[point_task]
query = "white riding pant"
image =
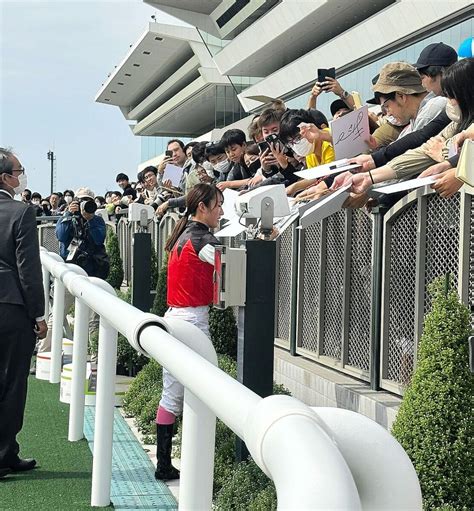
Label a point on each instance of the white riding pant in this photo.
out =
(173, 391)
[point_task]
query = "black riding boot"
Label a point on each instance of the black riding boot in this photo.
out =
(164, 469)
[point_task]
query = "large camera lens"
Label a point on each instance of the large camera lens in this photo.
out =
(89, 206)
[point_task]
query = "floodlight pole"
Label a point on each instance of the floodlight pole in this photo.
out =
(51, 158)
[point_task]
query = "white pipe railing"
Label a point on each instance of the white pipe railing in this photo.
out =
(299, 448)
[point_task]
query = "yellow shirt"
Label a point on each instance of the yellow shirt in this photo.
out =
(327, 154)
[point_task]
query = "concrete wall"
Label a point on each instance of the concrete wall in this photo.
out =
(316, 385)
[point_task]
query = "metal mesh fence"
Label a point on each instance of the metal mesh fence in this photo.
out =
(310, 275)
(47, 237)
(360, 299)
(442, 241)
(283, 282)
(401, 296)
(334, 286)
(471, 260)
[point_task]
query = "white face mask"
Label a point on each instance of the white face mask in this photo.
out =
(453, 112)
(22, 184)
(303, 147)
(393, 121)
(222, 167)
(68, 199)
(36, 202)
(208, 168)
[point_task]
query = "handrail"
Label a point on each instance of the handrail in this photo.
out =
(288, 440)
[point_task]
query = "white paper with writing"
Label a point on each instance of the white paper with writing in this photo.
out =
(350, 132)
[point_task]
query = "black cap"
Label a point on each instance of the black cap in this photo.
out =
(437, 54)
(374, 100)
(337, 105)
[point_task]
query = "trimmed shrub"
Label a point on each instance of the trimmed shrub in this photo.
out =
(129, 361)
(434, 424)
(248, 489)
(143, 396)
(160, 304)
(154, 270)
(223, 331)
(115, 277)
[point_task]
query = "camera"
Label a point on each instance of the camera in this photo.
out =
(86, 206)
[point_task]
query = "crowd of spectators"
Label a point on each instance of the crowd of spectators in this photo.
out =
(419, 117)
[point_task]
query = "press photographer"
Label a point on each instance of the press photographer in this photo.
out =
(81, 234)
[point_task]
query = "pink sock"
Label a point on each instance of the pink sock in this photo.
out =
(164, 417)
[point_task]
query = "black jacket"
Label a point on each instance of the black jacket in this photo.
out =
(21, 280)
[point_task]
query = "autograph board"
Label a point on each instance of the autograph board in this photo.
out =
(350, 132)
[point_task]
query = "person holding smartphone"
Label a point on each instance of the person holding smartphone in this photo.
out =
(329, 83)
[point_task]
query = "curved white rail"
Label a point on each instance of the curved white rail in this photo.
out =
(306, 452)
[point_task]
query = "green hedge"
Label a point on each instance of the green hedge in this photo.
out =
(142, 398)
(435, 423)
(159, 304)
(115, 277)
(129, 361)
(223, 331)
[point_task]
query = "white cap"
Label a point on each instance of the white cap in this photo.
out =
(84, 192)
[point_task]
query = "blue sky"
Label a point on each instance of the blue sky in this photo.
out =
(54, 56)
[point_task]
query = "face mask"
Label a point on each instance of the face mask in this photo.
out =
(222, 167)
(302, 147)
(68, 199)
(36, 202)
(208, 168)
(22, 184)
(394, 122)
(453, 112)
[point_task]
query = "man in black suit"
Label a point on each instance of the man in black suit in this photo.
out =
(21, 308)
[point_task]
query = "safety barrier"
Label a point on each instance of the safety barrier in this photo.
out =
(329, 290)
(320, 458)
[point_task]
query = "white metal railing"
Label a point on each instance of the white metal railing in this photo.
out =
(320, 458)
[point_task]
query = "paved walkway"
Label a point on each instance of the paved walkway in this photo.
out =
(133, 482)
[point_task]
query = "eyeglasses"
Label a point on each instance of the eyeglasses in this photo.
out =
(295, 140)
(21, 170)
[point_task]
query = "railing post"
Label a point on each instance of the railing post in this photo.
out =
(57, 331)
(376, 314)
(104, 409)
(79, 369)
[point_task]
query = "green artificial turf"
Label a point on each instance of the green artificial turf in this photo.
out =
(62, 480)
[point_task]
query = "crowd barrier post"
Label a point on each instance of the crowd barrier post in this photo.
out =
(376, 313)
(256, 324)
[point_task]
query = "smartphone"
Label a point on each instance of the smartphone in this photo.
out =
(273, 139)
(169, 154)
(322, 73)
(263, 146)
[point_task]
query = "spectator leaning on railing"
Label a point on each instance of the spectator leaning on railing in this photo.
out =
(457, 86)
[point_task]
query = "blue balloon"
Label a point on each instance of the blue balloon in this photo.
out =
(466, 48)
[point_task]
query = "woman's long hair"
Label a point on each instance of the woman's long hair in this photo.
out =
(203, 192)
(458, 83)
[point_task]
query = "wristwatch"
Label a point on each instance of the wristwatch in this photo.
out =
(344, 94)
